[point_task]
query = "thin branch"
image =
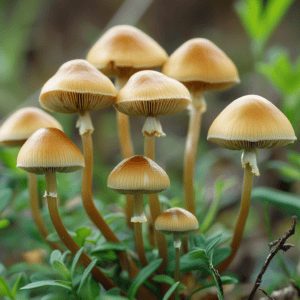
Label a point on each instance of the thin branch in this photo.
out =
(269, 297)
(280, 245)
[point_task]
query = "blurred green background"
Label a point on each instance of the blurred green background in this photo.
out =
(36, 37)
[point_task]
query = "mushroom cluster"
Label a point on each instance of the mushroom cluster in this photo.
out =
(80, 86)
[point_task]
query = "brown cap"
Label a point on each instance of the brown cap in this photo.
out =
(77, 86)
(23, 123)
(176, 220)
(201, 63)
(149, 93)
(125, 46)
(138, 174)
(251, 122)
(49, 149)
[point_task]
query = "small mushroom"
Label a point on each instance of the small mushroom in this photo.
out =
(249, 123)
(179, 222)
(48, 151)
(201, 66)
(13, 133)
(149, 94)
(136, 176)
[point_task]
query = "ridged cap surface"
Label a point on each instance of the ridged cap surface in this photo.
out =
(23, 123)
(200, 62)
(176, 220)
(77, 86)
(125, 46)
(49, 149)
(251, 122)
(138, 174)
(149, 93)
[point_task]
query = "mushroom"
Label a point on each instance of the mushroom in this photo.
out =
(201, 66)
(79, 87)
(149, 94)
(122, 51)
(176, 221)
(136, 176)
(249, 123)
(13, 133)
(48, 151)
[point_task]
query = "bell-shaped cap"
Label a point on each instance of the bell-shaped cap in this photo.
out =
(22, 124)
(49, 149)
(138, 174)
(149, 93)
(251, 122)
(125, 46)
(176, 220)
(77, 86)
(199, 63)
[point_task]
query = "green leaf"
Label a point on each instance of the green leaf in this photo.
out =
(53, 237)
(218, 282)
(44, 283)
(109, 246)
(111, 297)
(4, 288)
(288, 171)
(199, 254)
(220, 254)
(5, 196)
(61, 269)
(142, 276)
(113, 217)
(75, 261)
(171, 290)
(168, 280)
(81, 234)
(284, 201)
(16, 285)
(55, 255)
(86, 273)
(4, 223)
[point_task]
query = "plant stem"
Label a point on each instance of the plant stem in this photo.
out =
(125, 143)
(155, 208)
(89, 205)
(51, 194)
(177, 245)
(242, 218)
(34, 203)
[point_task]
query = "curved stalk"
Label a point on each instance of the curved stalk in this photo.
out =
(138, 219)
(126, 144)
(155, 208)
(177, 245)
(242, 218)
(35, 208)
(51, 194)
(90, 207)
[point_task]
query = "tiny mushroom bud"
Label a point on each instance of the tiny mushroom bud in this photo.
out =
(249, 123)
(136, 176)
(176, 221)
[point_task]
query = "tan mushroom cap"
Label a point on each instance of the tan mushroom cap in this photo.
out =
(149, 93)
(77, 86)
(251, 122)
(125, 46)
(22, 124)
(49, 149)
(176, 220)
(199, 62)
(138, 174)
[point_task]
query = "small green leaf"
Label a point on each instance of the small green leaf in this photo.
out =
(111, 297)
(81, 234)
(61, 269)
(199, 254)
(55, 255)
(44, 283)
(16, 285)
(113, 217)
(4, 288)
(168, 280)
(142, 276)
(171, 290)
(86, 273)
(5, 196)
(4, 223)
(108, 246)
(220, 254)
(75, 261)
(53, 237)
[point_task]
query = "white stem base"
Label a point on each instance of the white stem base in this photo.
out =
(152, 127)
(250, 157)
(84, 123)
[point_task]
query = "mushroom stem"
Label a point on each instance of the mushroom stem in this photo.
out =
(155, 208)
(89, 205)
(34, 203)
(242, 218)
(138, 209)
(51, 194)
(196, 110)
(177, 246)
(152, 126)
(125, 143)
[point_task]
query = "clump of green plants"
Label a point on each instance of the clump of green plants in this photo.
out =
(107, 259)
